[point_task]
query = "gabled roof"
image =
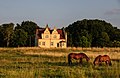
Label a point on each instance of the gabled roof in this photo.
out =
(39, 32)
(62, 34)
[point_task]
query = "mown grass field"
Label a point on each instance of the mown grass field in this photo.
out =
(52, 63)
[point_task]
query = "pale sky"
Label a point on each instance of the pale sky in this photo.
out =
(59, 13)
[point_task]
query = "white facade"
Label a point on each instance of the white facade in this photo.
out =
(53, 39)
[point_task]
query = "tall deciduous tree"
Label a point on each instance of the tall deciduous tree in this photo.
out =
(97, 32)
(84, 42)
(1, 37)
(7, 31)
(19, 38)
(30, 28)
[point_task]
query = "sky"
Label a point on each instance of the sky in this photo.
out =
(59, 13)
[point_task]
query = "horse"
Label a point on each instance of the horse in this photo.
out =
(99, 59)
(77, 56)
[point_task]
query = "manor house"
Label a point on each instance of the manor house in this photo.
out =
(47, 38)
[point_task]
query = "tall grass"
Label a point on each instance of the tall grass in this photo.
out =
(52, 63)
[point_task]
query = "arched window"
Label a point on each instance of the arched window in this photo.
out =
(54, 36)
(47, 36)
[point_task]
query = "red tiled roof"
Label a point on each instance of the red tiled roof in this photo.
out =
(39, 33)
(62, 35)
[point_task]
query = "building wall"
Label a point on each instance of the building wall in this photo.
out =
(51, 40)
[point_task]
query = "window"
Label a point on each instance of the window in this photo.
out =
(39, 43)
(51, 43)
(54, 36)
(43, 43)
(46, 36)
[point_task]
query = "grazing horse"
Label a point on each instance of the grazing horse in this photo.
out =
(77, 56)
(99, 59)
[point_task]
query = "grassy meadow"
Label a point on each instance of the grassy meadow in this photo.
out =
(37, 62)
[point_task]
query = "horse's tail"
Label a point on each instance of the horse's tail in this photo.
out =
(69, 59)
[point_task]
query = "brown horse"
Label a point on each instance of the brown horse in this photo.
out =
(77, 56)
(99, 59)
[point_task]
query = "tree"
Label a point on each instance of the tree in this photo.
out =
(116, 43)
(30, 28)
(19, 38)
(97, 32)
(7, 31)
(84, 42)
(1, 37)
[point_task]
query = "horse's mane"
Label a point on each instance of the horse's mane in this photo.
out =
(85, 56)
(106, 55)
(97, 58)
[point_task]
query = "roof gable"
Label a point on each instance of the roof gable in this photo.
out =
(41, 30)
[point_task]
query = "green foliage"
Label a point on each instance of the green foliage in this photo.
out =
(30, 28)
(84, 42)
(20, 35)
(6, 32)
(97, 32)
(103, 40)
(1, 37)
(116, 43)
(84, 33)
(19, 38)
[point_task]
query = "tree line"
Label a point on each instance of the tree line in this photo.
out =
(19, 35)
(93, 33)
(82, 33)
